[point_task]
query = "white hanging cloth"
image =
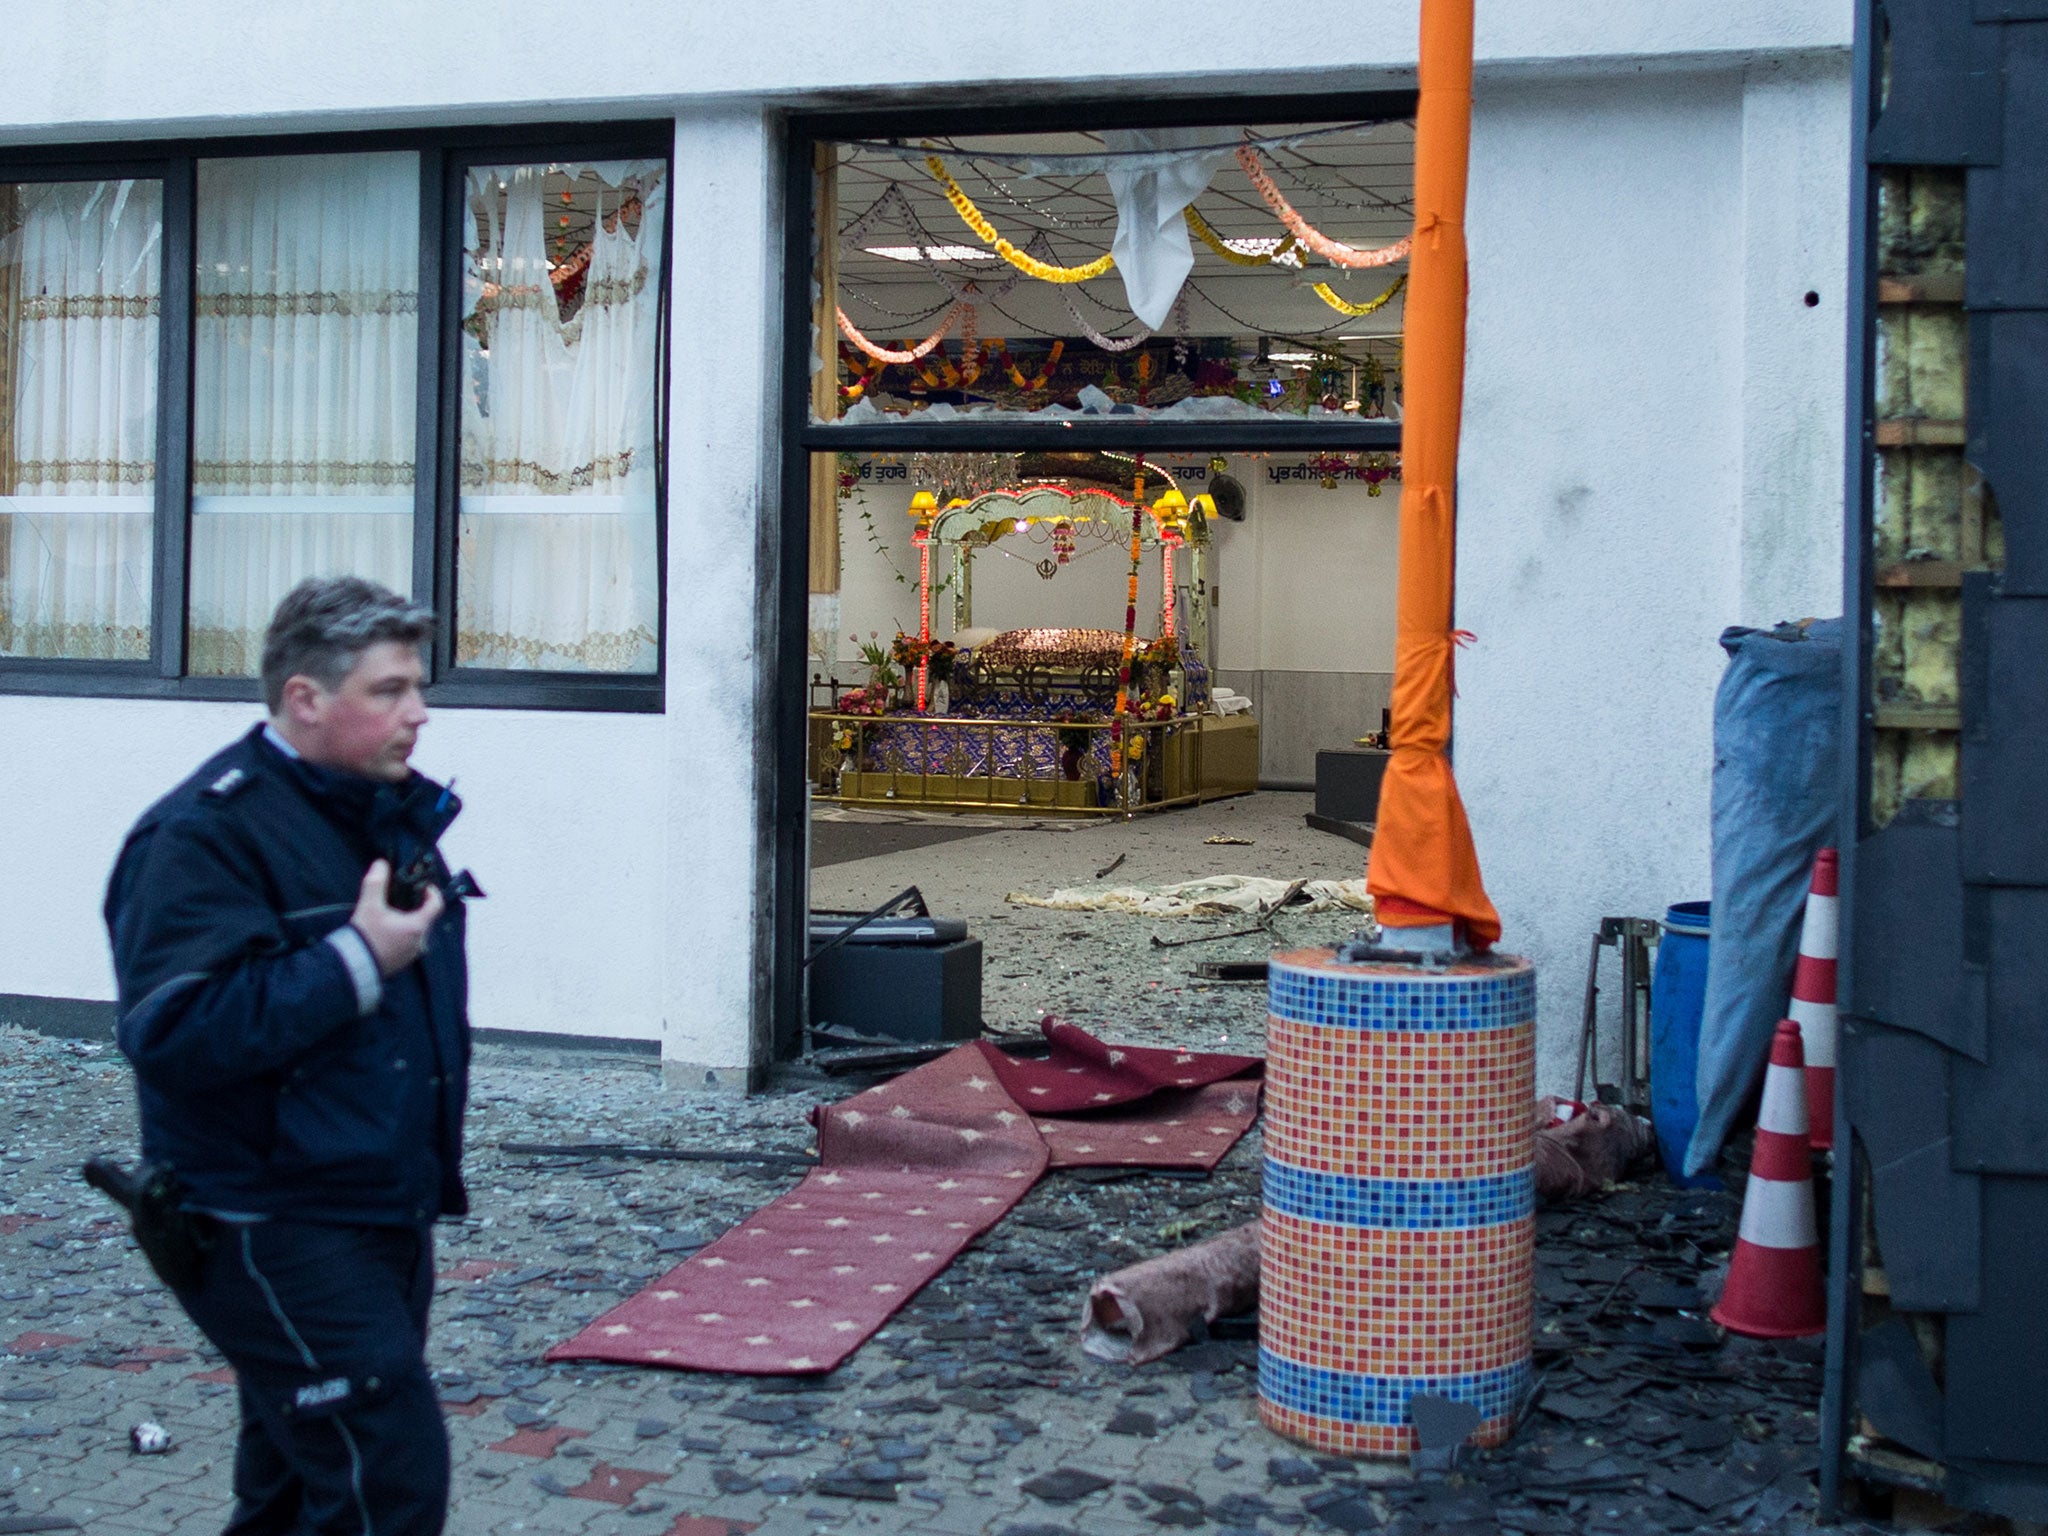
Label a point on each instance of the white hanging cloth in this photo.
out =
(1152, 250)
(556, 548)
(80, 272)
(307, 358)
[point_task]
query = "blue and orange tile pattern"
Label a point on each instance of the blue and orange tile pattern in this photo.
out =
(1399, 1234)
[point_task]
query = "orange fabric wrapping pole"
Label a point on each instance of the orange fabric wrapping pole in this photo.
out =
(1423, 869)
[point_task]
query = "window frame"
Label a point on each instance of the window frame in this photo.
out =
(782, 700)
(445, 156)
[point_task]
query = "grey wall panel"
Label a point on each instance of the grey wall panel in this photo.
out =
(1899, 1395)
(1997, 1359)
(1998, 1108)
(1929, 1225)
(1894, 1085)
(2008, 402)
(2011, 1489)
(1908, 958)
(2007, 237)
(1944, 101)
(2004, 788)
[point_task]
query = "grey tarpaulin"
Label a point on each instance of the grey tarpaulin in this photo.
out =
(1776, 743)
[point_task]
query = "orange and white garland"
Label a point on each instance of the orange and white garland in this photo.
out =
(956, 314)
(1336, 252)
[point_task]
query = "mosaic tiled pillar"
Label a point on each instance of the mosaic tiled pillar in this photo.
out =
(1399, 1228)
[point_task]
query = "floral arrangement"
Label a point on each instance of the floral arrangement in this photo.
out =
(848, 473)
(1160, 706)
(908, 651)
(1375, 467)
(882, 674)
(871, 700)
(1163, 652)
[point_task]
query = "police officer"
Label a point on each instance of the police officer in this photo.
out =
(289, 950)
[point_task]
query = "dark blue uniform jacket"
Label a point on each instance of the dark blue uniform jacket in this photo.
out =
(259, 1081)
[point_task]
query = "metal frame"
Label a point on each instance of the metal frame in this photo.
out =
(444, 154)
(782, 698)
(1632, 938)
(1846, 1186)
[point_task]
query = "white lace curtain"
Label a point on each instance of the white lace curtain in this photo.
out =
(305, 368)
(556, 563)
(79, 270)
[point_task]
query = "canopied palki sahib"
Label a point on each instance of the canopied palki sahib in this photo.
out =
(1014, 623)
(1049, 718)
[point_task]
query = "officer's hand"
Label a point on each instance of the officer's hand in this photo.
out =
(396, 938)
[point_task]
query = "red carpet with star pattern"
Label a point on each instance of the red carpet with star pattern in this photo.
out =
(908, 1174)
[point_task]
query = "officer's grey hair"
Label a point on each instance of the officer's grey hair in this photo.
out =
(324, 625)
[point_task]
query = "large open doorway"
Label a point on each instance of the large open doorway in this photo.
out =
(1080, 540)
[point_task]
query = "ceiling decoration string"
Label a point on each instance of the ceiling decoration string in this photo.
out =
(1029, 265)
(1199, 226)
(1344, 306)
(1336, 252)
(955, 314)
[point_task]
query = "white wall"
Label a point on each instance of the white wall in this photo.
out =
(713, 941)
(559, 825)
(621, 852)
(1795, 140)
(1325, 565)
(94, 65)
(1651, 452)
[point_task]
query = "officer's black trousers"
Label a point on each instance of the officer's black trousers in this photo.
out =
(326, 1328)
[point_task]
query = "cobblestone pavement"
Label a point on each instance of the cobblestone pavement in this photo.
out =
(973, 1411)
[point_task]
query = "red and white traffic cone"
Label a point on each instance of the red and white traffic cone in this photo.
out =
(1774, 1279)
(1813, 996)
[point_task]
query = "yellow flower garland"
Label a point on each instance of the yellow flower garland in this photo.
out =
(978, 221)
(1344, 306)
(1209, 237)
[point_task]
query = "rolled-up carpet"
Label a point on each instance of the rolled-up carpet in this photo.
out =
(1149, 1309)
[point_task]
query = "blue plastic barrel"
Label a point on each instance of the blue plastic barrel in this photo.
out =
(1678, 995)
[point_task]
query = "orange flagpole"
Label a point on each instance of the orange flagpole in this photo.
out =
(1423, 870)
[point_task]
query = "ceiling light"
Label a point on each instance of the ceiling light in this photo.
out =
(930, 252)
(1265, 245)
(1292, 357)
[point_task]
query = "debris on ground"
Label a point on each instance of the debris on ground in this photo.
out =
(149, 1439)
(1148, 1310)
(1649, 1418)
(1211, 896)
(1582, 1148)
